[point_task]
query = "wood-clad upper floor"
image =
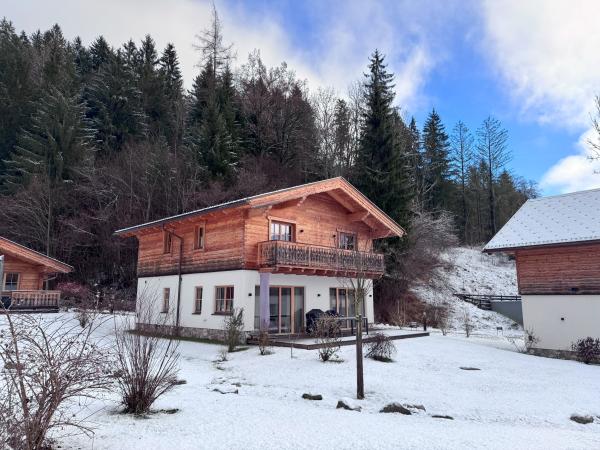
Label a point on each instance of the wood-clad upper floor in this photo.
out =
(326, 221)
(563, 269)
(25, 269)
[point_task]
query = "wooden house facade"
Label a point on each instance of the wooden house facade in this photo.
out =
(276, 255)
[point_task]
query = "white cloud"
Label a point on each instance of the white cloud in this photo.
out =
(347, 34)
(546, 51)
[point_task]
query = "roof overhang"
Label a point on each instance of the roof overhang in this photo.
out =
(49, 264)
(359, 207)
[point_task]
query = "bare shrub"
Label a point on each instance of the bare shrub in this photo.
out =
(147, 365)
(327, 333)
(264, 343)
(467, 322)
(222, 356)
(442, 317)
(587, 349)
(529, 341)
(381, 348)
(233, 326)
(49, 366)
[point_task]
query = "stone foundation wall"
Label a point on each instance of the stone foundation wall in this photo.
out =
(557, 354)
(187, 332)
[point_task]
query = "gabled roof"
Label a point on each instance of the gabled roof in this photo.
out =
(560, 219)
(50, 265)
(338, 188)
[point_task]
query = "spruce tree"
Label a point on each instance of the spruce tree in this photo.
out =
(461, 158)
(436, 174)
(381, 167)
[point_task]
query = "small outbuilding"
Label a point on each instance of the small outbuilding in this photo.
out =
(556, 244)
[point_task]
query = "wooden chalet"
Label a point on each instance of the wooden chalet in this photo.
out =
(289, 245)
(26, 276)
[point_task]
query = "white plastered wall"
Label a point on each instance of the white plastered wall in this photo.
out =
(316, 294)
(560, 320)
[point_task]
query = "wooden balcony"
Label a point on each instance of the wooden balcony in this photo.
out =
(306, 259)
(30, 300)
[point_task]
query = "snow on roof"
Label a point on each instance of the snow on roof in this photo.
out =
(573, 217)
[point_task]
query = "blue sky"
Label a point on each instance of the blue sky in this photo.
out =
(534, 64)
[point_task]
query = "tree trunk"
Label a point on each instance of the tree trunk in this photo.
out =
(360, 382)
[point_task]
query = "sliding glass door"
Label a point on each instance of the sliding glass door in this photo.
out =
(286, 309)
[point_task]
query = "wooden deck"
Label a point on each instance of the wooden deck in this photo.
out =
(305, 342)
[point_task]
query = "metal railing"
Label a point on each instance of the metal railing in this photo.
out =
(30, 299)
(294, 254)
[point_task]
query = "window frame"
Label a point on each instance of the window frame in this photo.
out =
(343, 234)
(166, 300)
(226, 301)
(280, 222)
(167, 242)
(198, 300)
(5, 278)
(197, 244)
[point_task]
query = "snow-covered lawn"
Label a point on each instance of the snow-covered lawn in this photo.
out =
(514, 401)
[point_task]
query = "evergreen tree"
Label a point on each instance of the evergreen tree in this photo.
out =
(416, 162)
(380, 173)
(52, 149)
(342, 140)
(436, 174)
(173, 92)
(100, 53)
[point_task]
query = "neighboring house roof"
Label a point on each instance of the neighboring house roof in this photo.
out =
(338, 188)
(560, 219)
(51, 265)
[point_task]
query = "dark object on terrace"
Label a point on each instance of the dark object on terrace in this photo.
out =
(311, 319)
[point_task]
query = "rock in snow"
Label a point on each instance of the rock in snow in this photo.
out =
(396, 408)
(348, 404)
(312, 397)
(582, 419)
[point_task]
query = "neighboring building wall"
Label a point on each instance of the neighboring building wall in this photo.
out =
(560, 320)
(564, 269)
(30, 275)
(150, 292)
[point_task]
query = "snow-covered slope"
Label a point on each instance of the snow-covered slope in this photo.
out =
(467, 270)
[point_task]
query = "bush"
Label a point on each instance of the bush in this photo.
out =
(147, 365)
(327, 333)
(234, 327)
(381, 348)
(49, 367)
(74, 294)
(587, 350)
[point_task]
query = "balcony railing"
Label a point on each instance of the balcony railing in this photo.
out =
(294, 255)
(29, 300)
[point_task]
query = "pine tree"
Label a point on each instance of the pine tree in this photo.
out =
(436, 164)
(100, 53)
(380, 173)
(52, 149)
(416, 162)
(173, 92)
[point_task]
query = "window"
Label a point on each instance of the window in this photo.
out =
(347, 241)
(223, 299)
(167, 242)
(281, 231)
(199, 237)
(198, 300)
(341, 300)
(166, 295)
(11, 281)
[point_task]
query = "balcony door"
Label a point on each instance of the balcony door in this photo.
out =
(286, 309)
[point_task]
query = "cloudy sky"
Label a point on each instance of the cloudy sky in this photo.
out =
(533, 64)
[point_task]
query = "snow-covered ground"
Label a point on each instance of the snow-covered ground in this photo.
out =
(467, 270)
(514, 401)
